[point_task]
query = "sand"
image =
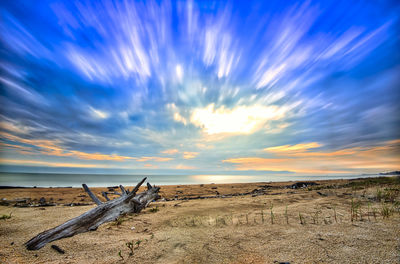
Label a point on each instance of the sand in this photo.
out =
(238, 229)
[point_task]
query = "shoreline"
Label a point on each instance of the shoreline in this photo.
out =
(328, 178)
(74, 196)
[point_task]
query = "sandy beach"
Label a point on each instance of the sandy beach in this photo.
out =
(216, 223)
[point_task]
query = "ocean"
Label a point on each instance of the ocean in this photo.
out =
(104, 180)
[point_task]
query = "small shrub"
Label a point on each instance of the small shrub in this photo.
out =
(4, 217)
(379, 195)
(129, 245)
(119, 221)
(390, 194)
(386, 211)
(138, 243)
(154, 209)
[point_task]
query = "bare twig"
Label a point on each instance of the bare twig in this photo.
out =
(105, 195)
(94, 197)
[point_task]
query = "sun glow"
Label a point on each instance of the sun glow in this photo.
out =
(239, 120)
(222, 178)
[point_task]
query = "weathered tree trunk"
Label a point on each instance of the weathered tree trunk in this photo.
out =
(92, 219)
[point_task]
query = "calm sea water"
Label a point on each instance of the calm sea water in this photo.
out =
(101, 180)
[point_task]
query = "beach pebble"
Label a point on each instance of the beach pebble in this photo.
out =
(132, 228)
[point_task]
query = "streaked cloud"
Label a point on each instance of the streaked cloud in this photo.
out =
(294, 148)
(179, 72)
(98, 114)
(310, 87)
(299, 159)
(51, 164)
(53, 148)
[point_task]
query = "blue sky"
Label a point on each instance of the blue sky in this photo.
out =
(226, 87)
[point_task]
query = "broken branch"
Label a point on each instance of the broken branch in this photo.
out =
(92, 195)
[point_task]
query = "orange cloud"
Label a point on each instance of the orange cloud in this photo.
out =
(255, 163)
(170, 151)
(20, 149)
(159, 159)
(14, 127)
(302, 160)
(96, 156)
(50, 164)
(52, 148)
(291, 148)
(189, 155)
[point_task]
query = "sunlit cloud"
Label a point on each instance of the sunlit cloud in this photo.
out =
(98, 114)
(170, 151)
(299, 159)
(179, 118)
(20, 149)
(179, 72)
(14, 127)
(190, 155)
(53, 148)
(175, 113)
(294, 148)
(158, 159)
(222, 178)
(241, 119)
(51, 164)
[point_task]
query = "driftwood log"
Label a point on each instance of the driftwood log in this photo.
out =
(109, 211)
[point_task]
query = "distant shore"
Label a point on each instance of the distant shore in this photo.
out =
(39, 180)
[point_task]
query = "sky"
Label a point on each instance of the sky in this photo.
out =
(200, 87)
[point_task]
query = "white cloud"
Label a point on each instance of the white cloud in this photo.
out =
(98, 114)
(175, 112)
(240, 119)
(271, 75)
(179, 72)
